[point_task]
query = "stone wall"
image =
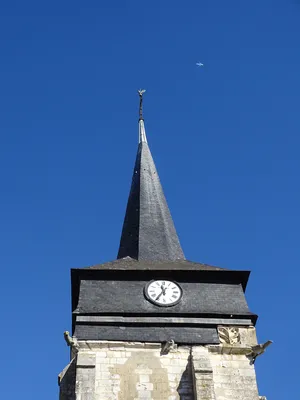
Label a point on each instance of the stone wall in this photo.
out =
(135, 370)
(233, 377)
(124, 371)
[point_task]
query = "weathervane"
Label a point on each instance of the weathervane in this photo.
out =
(141, 92)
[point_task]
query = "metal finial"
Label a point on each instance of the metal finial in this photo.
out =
(141, 92)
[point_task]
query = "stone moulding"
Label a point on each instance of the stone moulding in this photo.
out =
(229, 349)
(94, 345)
(149, 320)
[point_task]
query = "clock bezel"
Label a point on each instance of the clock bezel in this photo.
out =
(159, 304)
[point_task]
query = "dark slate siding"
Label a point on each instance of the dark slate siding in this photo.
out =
(147, 334)
(148, 231)
(129, 243)
(117, 296)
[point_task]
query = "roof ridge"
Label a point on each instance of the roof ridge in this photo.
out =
(153, 264)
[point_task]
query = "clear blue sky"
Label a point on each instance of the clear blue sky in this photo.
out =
(225, 139)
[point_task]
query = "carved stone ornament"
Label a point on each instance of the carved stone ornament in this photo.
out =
(229, 335)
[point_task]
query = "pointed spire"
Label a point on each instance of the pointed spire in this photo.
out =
(142, 132)
(141, 92)
(148, 230)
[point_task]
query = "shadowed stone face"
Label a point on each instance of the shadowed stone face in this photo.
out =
(66, 380)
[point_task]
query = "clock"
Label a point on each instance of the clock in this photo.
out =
(163, 293)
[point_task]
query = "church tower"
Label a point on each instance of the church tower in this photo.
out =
(153, 325)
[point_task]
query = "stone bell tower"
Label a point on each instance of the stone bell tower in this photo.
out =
(153, 325)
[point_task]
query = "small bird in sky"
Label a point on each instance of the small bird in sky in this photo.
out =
(199, 64)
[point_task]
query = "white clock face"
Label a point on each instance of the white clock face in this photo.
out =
(163, 293)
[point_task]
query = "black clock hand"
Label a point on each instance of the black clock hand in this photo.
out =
(163, 289)
(157, 298)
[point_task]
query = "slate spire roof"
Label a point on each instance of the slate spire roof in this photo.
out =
(148, 230)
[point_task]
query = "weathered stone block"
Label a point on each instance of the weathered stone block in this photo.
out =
(86, 359)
